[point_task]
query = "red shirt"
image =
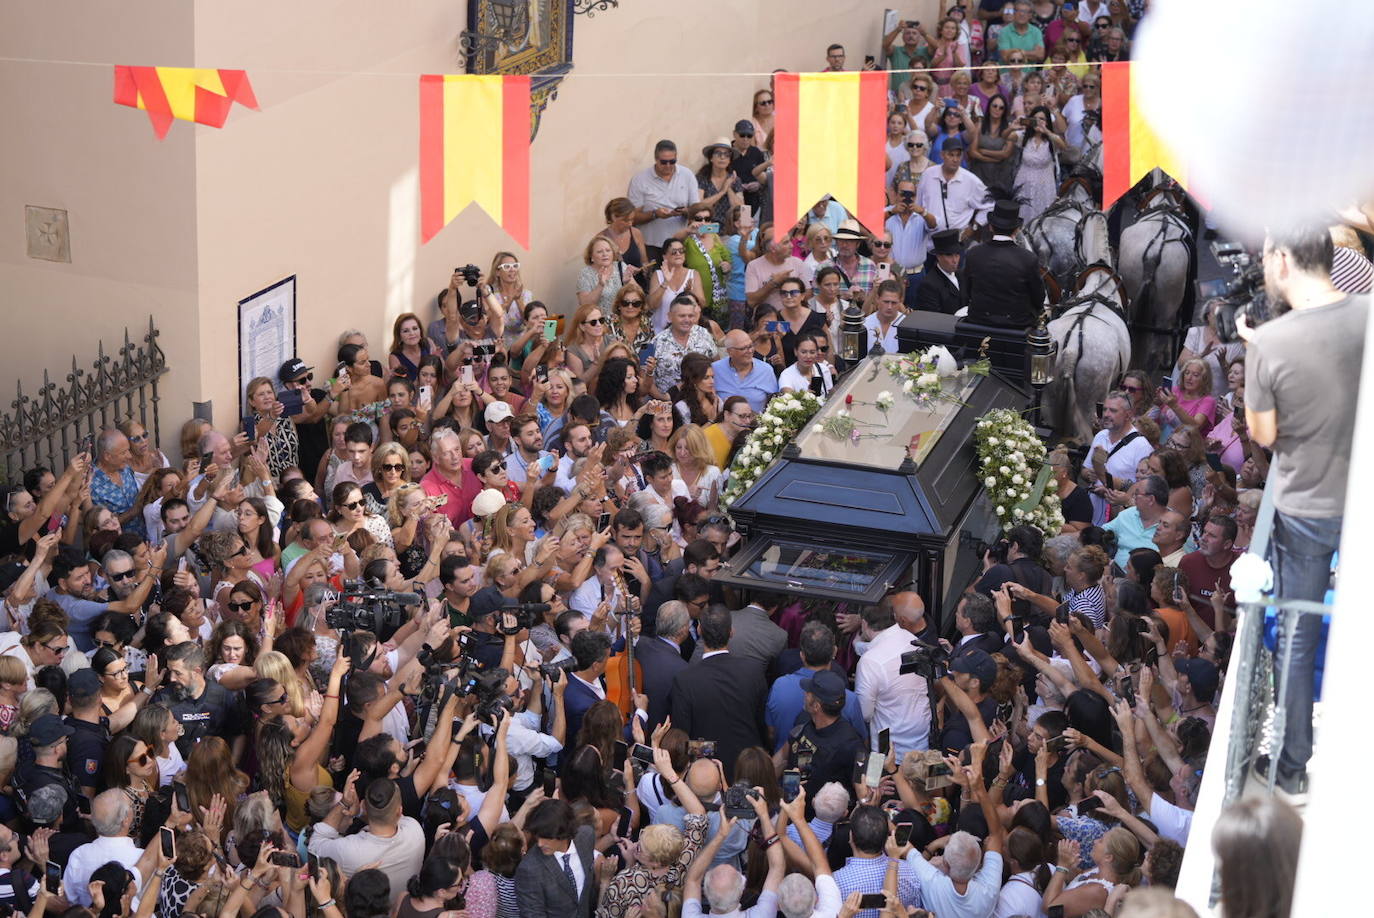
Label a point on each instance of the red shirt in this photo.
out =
(1203, 581)
(459, 506)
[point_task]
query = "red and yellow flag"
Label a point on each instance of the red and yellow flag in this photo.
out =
(475, 146)
(1130, 146)
(188, 93)
(828, 138)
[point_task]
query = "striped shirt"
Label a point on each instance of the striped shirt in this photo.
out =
(12, 897)
(1351, 272)
(1091, 602)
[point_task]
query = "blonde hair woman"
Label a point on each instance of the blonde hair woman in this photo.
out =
(404, 509)
(585, 339)
(301, 699)
(694, 464)
(390, 470)
(1189, 402)
(509, 289)
(512, 531)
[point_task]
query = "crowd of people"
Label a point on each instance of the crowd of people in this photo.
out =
(444, 636)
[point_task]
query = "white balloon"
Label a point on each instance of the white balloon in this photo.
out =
(1267, 101)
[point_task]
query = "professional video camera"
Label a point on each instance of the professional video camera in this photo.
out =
(527, 615)
(930, 661)
(1241, 294)
(363, 606)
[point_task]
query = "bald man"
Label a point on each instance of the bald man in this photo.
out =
(739, 372)
(706, 780)
(890, 699)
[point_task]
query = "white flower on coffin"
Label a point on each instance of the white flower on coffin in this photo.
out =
(945, 364)
(928, 380)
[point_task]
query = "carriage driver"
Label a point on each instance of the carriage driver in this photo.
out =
(1002, 283)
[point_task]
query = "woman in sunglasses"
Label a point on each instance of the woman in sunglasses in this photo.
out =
(159, 729)
(585, 340)
(991, 153)
(131, 766)
(510, 291)
(144, 455)
(232, 559)
(349, 514)
(628, 320)
(390, 470)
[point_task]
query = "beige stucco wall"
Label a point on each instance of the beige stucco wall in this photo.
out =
(322, 182)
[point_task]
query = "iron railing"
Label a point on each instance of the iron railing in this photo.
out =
(50, 426)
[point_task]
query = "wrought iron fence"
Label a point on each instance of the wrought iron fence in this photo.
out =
(50, 426)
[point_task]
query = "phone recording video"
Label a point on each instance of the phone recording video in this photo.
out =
(791, 784)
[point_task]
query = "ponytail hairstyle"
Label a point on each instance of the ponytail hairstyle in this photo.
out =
(1125, 852)
(436, 873)
(1025, 848)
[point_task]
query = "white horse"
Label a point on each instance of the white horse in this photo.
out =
(1094, 350)
(1154, 257)
(1071, 234)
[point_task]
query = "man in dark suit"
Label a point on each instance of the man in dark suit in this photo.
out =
(721, 696)
(1001, 284)
(556, 878)
(660, 658)
(591, 650)
(754, 636)
(975, 618)
(700, 557)
(940, 289)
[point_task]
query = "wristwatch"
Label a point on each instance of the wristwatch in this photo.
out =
(1039, 782)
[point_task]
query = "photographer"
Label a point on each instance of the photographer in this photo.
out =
(724, 885)
(481, 321)
(495, 635)
(498, 689)
(1016, 559)
(1301, 382)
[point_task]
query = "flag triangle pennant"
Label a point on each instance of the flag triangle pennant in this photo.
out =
(182, 93)
(475, 147)
(829, 138)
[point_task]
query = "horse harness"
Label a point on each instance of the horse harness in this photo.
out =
(1057, 209)
(1154, 253)
(1093, 299)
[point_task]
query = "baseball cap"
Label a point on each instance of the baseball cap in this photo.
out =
(744, 127)
(48, 729)
(84, 683)
(977, 664)
(827, 685)
(497, 411)
(953, 143)
(1069, 4)
(291, 369)
(1202, 676)
(10, 574)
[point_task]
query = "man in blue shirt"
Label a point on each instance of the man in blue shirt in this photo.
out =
(787, 697)
(741, 373)
(75, 595)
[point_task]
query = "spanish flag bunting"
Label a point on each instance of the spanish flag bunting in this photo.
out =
(186, 93)
(1130, 145)
(828, 138)
(475, 146)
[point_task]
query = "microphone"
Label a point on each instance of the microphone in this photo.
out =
(406, 599)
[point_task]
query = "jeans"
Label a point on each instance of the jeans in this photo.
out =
(1302, 554)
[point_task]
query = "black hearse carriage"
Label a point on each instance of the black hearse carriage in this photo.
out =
(847, 520)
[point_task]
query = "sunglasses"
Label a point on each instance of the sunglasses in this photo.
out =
(634, 303)
(243, 550)
(141, 760)
(302, 380)
(667, 162)
(281, 700)
(789, 293)
(393, 467)
(509, 266)
(880, 245)
(121, 575)
(823, 348)
(110, 644)
(591, 321)
(352, 505)
(915, 146)
(920, 86)
(139, 438)
(1132, 389)
(764, 102)
(58, 650)
(240, 606)
(496, 467)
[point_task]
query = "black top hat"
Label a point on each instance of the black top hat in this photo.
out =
(1006, 215)
(947, 242)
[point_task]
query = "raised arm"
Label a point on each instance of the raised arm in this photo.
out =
(489, 815)
(691, 888)
(960, 699)
(304, 767)
(1130, 761)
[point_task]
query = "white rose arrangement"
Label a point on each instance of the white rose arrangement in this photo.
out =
(1012, 462)
(779, 423)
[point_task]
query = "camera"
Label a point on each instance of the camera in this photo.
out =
(929, 661)
(736, 804)
(995, 550)
(527, 615)
(471, 274)
(551, 671)
(365, 607)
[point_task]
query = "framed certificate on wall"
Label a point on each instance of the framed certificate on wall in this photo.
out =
(267, 334)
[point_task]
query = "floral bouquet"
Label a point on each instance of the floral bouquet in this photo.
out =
(844, 426)
(785, 415)
(1014, 472)
(922, 373)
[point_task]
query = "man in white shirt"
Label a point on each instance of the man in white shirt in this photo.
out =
(112, 816)
(956, 196)
(661, 194)
(882, 322)
(890, 700)
(1115, 452)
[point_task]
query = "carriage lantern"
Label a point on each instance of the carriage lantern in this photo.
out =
(1042, 350)
(852, 325)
